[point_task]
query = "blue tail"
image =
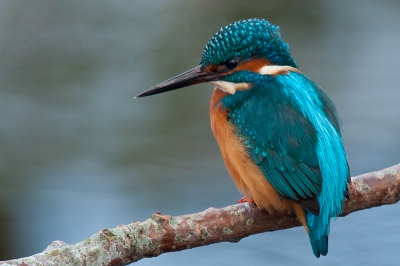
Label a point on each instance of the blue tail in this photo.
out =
(318, 233)
(319, 246)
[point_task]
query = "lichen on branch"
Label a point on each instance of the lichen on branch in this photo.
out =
(163, 233)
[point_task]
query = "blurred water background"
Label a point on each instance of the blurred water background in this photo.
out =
(78, 153)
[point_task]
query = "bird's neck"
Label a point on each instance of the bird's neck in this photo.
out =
(294, 89)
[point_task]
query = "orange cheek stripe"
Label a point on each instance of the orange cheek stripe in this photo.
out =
(211, 68)
(253, 65)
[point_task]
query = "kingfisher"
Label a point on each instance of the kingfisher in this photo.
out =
(279, 133)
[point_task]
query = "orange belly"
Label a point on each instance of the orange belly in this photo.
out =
(245, 173)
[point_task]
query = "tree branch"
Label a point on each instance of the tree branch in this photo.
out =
(163, 233)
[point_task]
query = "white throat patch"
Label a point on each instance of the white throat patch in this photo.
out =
(231, 87)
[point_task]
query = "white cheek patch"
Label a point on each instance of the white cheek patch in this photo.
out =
(274, 70)
(230, 87)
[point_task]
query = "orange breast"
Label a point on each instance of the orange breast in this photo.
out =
(245, 173)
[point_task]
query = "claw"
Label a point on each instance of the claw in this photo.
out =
(249, 200)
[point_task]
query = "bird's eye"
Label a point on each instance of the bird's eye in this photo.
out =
(231, 63)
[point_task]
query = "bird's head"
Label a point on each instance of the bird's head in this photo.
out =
(236, 57)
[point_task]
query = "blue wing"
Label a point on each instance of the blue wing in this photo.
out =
(282, 142)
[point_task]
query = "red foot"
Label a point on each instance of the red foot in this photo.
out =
(244, 199)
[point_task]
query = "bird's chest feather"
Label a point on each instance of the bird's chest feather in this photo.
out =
(247, 176)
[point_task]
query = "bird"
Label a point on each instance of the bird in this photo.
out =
(278, 132)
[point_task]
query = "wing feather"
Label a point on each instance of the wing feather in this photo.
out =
(282, 142)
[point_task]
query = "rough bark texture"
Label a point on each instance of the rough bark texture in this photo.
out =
(163, 233)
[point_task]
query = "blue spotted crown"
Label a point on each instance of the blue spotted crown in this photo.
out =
(245, 39)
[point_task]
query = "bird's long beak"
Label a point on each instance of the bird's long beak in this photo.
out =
(188, 78)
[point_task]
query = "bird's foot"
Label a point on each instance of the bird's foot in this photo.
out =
(244, 199)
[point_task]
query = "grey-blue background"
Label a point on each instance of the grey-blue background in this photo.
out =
(78, 153)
